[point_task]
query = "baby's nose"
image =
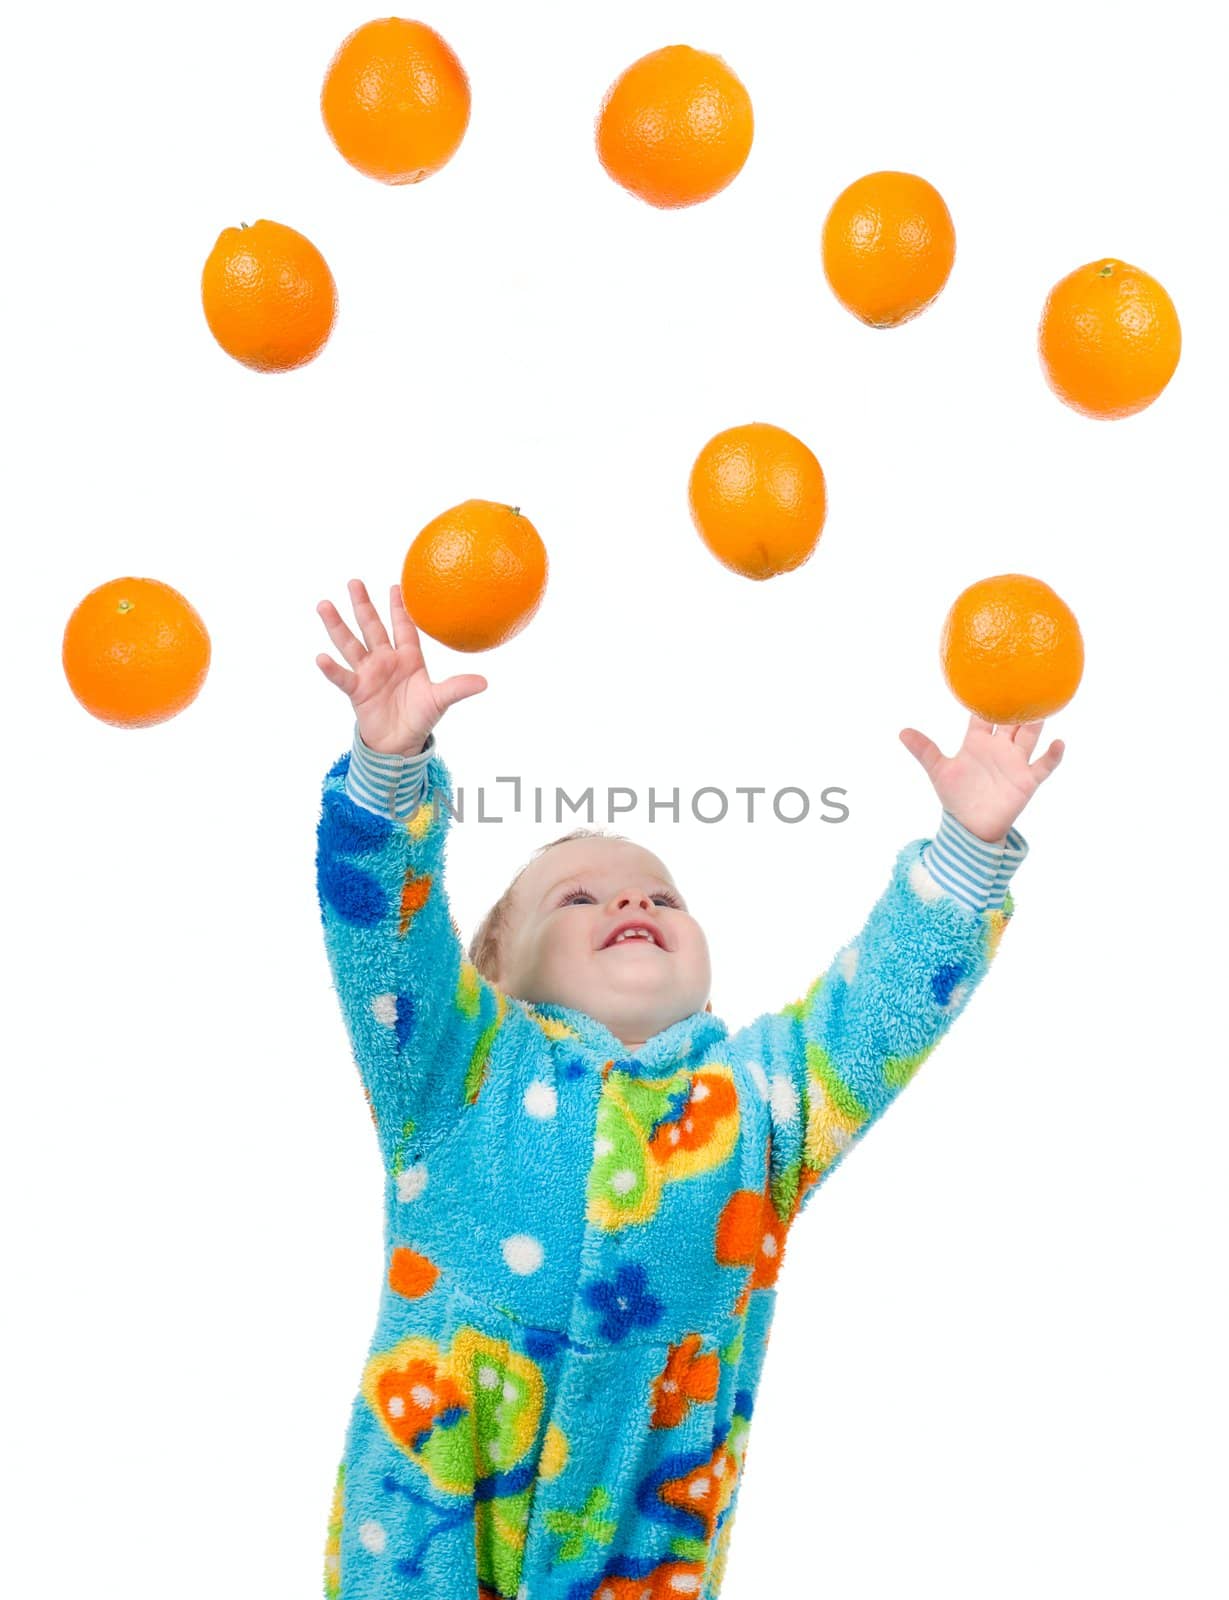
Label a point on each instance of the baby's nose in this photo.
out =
(632, 897)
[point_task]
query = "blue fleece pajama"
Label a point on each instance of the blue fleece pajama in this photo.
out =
(582, 1245)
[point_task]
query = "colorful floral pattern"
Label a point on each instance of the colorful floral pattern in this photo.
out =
(654, 1131)
(666, 1580)
(462, 1415)
(580, 1529)
(688, 1378)
(624, 1301)
(693, 1492)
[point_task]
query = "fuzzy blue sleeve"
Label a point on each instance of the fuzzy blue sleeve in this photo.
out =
(419, 1015)
(835, 1060)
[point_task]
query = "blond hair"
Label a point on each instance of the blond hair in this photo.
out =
(484, 946)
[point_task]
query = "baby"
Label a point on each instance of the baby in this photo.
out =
(589, 1179)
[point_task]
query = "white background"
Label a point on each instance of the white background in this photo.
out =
(997, 1368)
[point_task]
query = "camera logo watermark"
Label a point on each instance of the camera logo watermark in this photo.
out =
(706, 804)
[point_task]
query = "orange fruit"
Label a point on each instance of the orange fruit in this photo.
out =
(135, 652)
(1011, 649)
(475, 575)
(888, 246)
(395, 100)
(676, 127)
(269, 297)
(1109, 339)
(758, 499)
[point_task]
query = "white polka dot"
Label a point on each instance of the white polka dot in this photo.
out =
(623, 1182)
(396, 1406)
(685, 1583)
(668, 1386)
(523, 1253)
(411, 1182)
(759, 1078)
(769, 1246)
(384, 1009)
(541, 1100)
(719, 1467)
(957, 996)
(849, 963)
(510, 1392)
(922, 884)
(488, 1377)
(422, 1397)
(698, 1488)
(784, 1098)
(674, 1135)
(372, 1537)
(602, 1147)
(699, 1091)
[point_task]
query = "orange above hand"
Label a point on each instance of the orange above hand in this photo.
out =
(475, 575)
(1011, 649)
(1012, 653)
(395, 702)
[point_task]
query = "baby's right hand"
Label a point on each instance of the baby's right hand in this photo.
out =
(394, 700)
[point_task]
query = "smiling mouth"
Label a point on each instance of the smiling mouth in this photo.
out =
(647, 937)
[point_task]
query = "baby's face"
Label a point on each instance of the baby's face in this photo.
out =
(556, 946)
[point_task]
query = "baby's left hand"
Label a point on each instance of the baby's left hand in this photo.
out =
(989, 781)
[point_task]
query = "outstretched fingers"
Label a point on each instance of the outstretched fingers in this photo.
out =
(347, 682)
(1026, 734)
(925, 750)
(458, 688)
(1044, 765)
(350, 647)
(404, 630)
(368, 617)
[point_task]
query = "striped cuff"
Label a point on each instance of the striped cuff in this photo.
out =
(392, 785)
(970, 869)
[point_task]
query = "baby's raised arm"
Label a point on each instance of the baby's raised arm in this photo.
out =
(833, 1061)
(419, 1015)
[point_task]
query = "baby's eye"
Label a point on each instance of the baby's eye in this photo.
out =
(574, 896)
